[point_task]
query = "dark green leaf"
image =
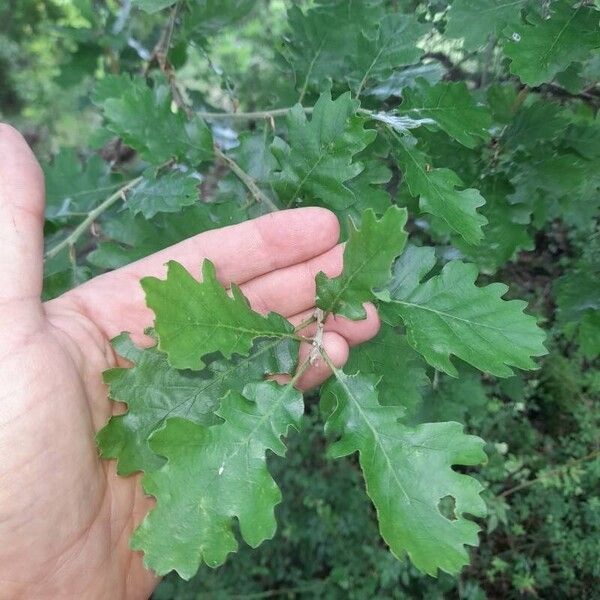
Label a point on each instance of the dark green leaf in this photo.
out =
(154, 392)
(438, 194)
(448, 314)
(143, 118)
(451, 106)
(214, 474)
(368, 257)
(401, 369)
(407, 472)
(316, 162)
(542, 48)
(474, 21)
(166, 193)
(195, 319)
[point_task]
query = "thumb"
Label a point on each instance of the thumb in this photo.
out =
(21, 218)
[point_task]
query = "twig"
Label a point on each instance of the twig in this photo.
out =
(70, 240)
(160, 51)
(299, 372)
(309, 321)
(251, 116)
(265, 114)
(258, 194)
(317, 342)
(590, 95)
(181, 103)
(328, 361)
(558, 469)
(455, 72)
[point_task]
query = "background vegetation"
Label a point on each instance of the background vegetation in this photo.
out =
(540, 174)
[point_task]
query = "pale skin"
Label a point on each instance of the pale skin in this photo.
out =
(65, 516)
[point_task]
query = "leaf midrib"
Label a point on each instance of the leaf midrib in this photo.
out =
(442, 313)
(212, 382)
(354, 273)
(434, 186)
(375, 434)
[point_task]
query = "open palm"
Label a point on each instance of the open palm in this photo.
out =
(65, 517)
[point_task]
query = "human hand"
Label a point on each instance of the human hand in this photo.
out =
(65, 516)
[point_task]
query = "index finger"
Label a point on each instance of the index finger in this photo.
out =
(115, 300)
(250, 249)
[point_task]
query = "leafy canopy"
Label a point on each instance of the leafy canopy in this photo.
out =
(448, 137)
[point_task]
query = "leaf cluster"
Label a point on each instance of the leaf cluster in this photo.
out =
(453, 140)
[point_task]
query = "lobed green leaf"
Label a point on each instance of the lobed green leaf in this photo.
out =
(194, 319)
(408, 472)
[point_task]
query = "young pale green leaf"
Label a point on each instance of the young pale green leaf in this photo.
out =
(213, 475)
(393, 46)
(401, 369)
(154, 391)
(316, 162)
(408, 471)
(368, 258)
(194, 319)
(143, 118)
(166, 193)
(474, 21)
(452, 107)
(438, 194)
(448, 314)
(542, 48)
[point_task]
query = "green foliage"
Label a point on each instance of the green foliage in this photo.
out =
(448, 314)
(318, 159)
(72, 188)
(578, 299)
(474, 20)
(163, 194)
(451, 106)
(143, 118)
(402, 372)
(214, 474)
(436, 189)
(195, 319)
(367, 258)
(468, 129)
(547, 44)
(154, 392)
(407, 472)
